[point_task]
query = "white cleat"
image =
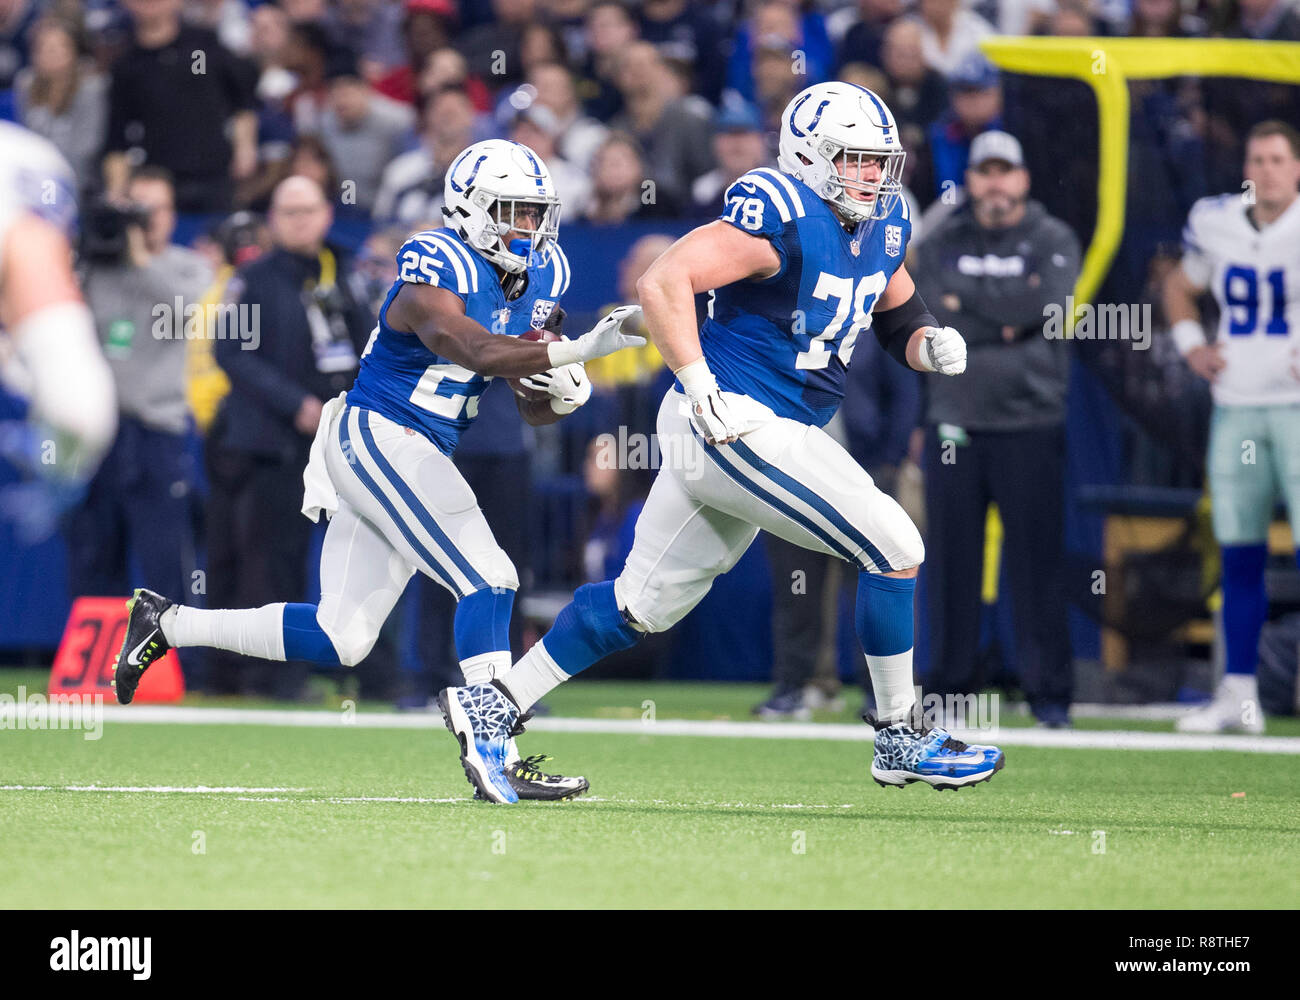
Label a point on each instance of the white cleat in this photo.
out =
(1234, 708)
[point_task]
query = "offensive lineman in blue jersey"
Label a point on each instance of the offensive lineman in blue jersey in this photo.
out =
(380, 464)
(801, 263)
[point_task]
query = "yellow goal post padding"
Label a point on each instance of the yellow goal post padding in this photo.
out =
(1106, 65)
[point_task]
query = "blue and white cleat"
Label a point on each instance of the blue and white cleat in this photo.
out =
(905, 754)
(481, 717)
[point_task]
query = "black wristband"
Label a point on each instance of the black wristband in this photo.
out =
(894, 327)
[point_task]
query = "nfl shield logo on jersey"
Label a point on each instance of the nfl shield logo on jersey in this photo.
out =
(893, 240)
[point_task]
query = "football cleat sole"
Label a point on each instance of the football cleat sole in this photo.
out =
(476, 772)
(941, 782)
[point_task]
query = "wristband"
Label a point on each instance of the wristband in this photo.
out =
(563, 352)
(1187, 334)
(696, 379)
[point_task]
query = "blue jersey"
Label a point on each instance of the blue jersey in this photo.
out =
(406, 382)
(787, 340)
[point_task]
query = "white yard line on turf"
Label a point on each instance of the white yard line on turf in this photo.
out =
(1075, 739)
(160, 789)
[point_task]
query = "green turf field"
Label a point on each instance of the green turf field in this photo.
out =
(671, 821)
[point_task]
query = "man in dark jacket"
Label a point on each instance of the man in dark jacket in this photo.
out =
(302, 335)
(996, 268)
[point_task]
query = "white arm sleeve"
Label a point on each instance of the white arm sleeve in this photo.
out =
(59, 366)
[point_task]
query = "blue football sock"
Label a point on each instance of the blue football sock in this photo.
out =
(590, 627)
(482, 623)
(304, 639)
(1245, 604)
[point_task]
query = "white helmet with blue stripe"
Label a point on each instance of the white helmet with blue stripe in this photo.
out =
(829, 133)
(497, 187)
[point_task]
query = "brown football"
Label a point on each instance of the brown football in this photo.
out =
(521, 390)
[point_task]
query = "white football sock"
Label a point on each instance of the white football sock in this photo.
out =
(253, 632)
(484, 667)
(532, 677)
(891, 681)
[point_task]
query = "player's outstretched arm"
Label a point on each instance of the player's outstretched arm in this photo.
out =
(60, 365)
(706, 258)
(437, 316)
(909, 333)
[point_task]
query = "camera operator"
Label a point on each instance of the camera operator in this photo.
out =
(137, 511)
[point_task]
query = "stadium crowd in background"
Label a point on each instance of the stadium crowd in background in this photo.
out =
(644, 111)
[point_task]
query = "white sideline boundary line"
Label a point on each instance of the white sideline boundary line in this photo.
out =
(21, 715)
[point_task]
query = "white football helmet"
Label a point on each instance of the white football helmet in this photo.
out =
(496, 187)
(830, 120)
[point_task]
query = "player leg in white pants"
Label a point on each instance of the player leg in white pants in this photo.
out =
(706, 507)
(403, 506)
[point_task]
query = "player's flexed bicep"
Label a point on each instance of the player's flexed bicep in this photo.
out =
(710, 257)
(911, 335)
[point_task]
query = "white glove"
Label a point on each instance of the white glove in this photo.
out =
(710, 413)
(568, 386)
(605, 337)
(944, 351)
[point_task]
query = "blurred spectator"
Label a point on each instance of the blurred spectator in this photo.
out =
(777, 24)
(426, 27)
(313, 59)
(1018, 17)
(579, 135)
(620, 190)
(375, 268)
(569, 18)
(137, 515)
(163, 112)
(673, 132)
(919, 93)
(63, 98)
(306, 157)
(372, 31)
(975, 96)
(411, 188)
(610, 30)
(1234, 106)
(229, 19)
(738, 147)
(950, 32)
(1072, 19)
(537, 128)
(774, 85)
(305, 11)
(362, 131)
(275, 82)
(16, 20)
(312, 332)
(865, 38)
(239, 239)
(689, 34)
(993, 269)
(1265, 20)
(445, 68)
(538, 44)
(492, 48)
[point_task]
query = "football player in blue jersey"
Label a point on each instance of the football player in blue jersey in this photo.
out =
(802, 262)
(467, 302)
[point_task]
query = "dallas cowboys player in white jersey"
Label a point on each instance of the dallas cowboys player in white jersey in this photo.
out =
(381, 463)
(1246, 250)
(49, 353)
(796, 265)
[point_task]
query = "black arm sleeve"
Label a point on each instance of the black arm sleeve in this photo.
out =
(894, 327)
